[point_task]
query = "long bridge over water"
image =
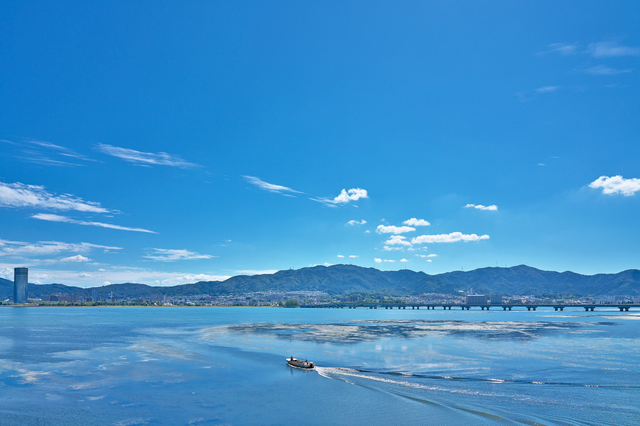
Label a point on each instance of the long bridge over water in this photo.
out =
(624, 307)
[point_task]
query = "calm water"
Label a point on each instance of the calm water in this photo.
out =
(212, 366)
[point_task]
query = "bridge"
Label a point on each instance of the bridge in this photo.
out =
(623, 307)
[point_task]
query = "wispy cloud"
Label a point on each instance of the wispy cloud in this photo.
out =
(397, 240)
(340, 256)
(357, 222)
(616, 185)
(448, 238)
(562, 48)
(528, 95)
(345, 196)
(353, 256)
(403, 260)
(604, 70)
(601, 49)
(65, 219)
(432, 255)
(416, 222)
(145, 158)
(492, 207)
(547, 89)
(64, 151)
(278, 189)
(377, 260)
(46, 153)
(609, 49)
(381, 229)
(171, 255)
(33, 196)
(47, 248)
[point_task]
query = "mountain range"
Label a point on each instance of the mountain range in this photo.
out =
(347, 279)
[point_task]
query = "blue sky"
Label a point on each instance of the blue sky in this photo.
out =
(171, 142)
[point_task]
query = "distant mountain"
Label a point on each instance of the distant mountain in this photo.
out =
(345, 279)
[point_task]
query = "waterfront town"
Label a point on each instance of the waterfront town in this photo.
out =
(315, 298)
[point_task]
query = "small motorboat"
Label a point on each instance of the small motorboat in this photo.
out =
(298, 363)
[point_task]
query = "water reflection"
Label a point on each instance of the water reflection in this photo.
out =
(371, 330)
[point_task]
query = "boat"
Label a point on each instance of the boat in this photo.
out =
(298, 363)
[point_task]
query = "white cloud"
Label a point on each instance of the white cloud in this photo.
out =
(381, 229)
(481, 207)
(5, 242)
(416, 222)
(429, 260)
(387, 248)
(278, 189)
(616, 185)
(389, 260)
(65, 219)
(432, 255)
(353, 256)
(420, 255)
(145, 158)
(170, 255)
(448, 238)
(258, 272)
(120, 275)
(367, 232)
(345, 196)
(378, 260)
(355, 222)
(547, 89)
(397, 240)
(76, 258)
(604, 70)
(403, 260)
(340, 255)
(608, 49)
(34, 196)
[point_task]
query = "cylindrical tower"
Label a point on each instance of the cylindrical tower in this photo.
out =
(20, 285)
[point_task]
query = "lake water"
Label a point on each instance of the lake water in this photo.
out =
(218, 366)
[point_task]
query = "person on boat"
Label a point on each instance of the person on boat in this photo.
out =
(291, 357)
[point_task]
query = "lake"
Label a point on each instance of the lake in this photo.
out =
(219, 366)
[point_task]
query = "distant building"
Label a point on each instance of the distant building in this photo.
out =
(496, 299)
(94, 295)
(476, 299)
(20, 285)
